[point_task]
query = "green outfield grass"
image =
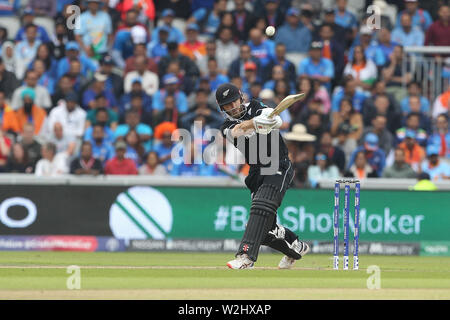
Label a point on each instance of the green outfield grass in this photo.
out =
(43, 275)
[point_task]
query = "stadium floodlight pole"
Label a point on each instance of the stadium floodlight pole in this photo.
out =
(346, 222)
(337, 187)
(356, 227)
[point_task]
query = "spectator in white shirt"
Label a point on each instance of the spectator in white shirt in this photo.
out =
(150, 81)
(70, 115)
(64, 142)
(52, 164)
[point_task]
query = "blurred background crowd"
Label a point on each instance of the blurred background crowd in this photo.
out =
(103, 94)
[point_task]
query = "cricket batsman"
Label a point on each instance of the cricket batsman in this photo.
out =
(245, 123)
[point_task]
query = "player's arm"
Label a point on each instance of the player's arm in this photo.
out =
(243, 128)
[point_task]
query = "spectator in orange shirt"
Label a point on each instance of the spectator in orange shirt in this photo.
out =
(7, 115)
(119, 164)
(414, 153)
(192, 47)
(29, 112)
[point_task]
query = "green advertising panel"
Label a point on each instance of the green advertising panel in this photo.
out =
(221, 213)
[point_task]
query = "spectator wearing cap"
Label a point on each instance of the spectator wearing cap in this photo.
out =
(171, 84)
(26, 49)
(209, 19)
(98, 88)
(86, 164)
(322, 169)
(436, 168)
(149, 80)
(133, 122)
(175, 35)
(186, 65)
(8, 80)
(250, 76)
(158, 48)
(379, 127)
(441, 136)
(140, 51)
(72, 49)
(52, 163)
(27, 19)
(413, 123)
(438, 33)
(237, 66)
(363, 70)
(71, 116)
(294, 29)
(95, 33)
(406, 34)
(345, 18)
(261, 48)
(119, 165)
(414, 153)
(316, 66)
(375, 156)
(192, 47)
(399, 169)
(229, 51)
(136, 91)
(114, 82)
(420, 18)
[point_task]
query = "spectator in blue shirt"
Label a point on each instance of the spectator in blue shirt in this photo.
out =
(420, 17)
(261, 48)
(209, 20)
(133, 122)
(350, 91)
(345, 18)
(375, 156)
(437, 169)
(191, 163)
(123, 46)
(98, 87)
(136, 90)
(95, 32)
(102, 148)
(175, 35)
(406, 34)
(214, 77)
(28, 18)
(157, 48)
(315, 66)
(171, 87)
(88, 66)
(294, 29)
(164, 149)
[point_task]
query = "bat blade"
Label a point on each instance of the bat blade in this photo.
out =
(286, 103)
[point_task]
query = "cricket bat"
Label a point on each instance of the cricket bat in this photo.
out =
(286, 103)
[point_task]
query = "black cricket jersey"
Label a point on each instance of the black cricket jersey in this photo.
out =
(257, 148)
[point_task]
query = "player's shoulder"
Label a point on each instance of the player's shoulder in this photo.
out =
(254, 107)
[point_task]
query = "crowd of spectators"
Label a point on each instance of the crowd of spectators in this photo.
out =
(103, 94)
